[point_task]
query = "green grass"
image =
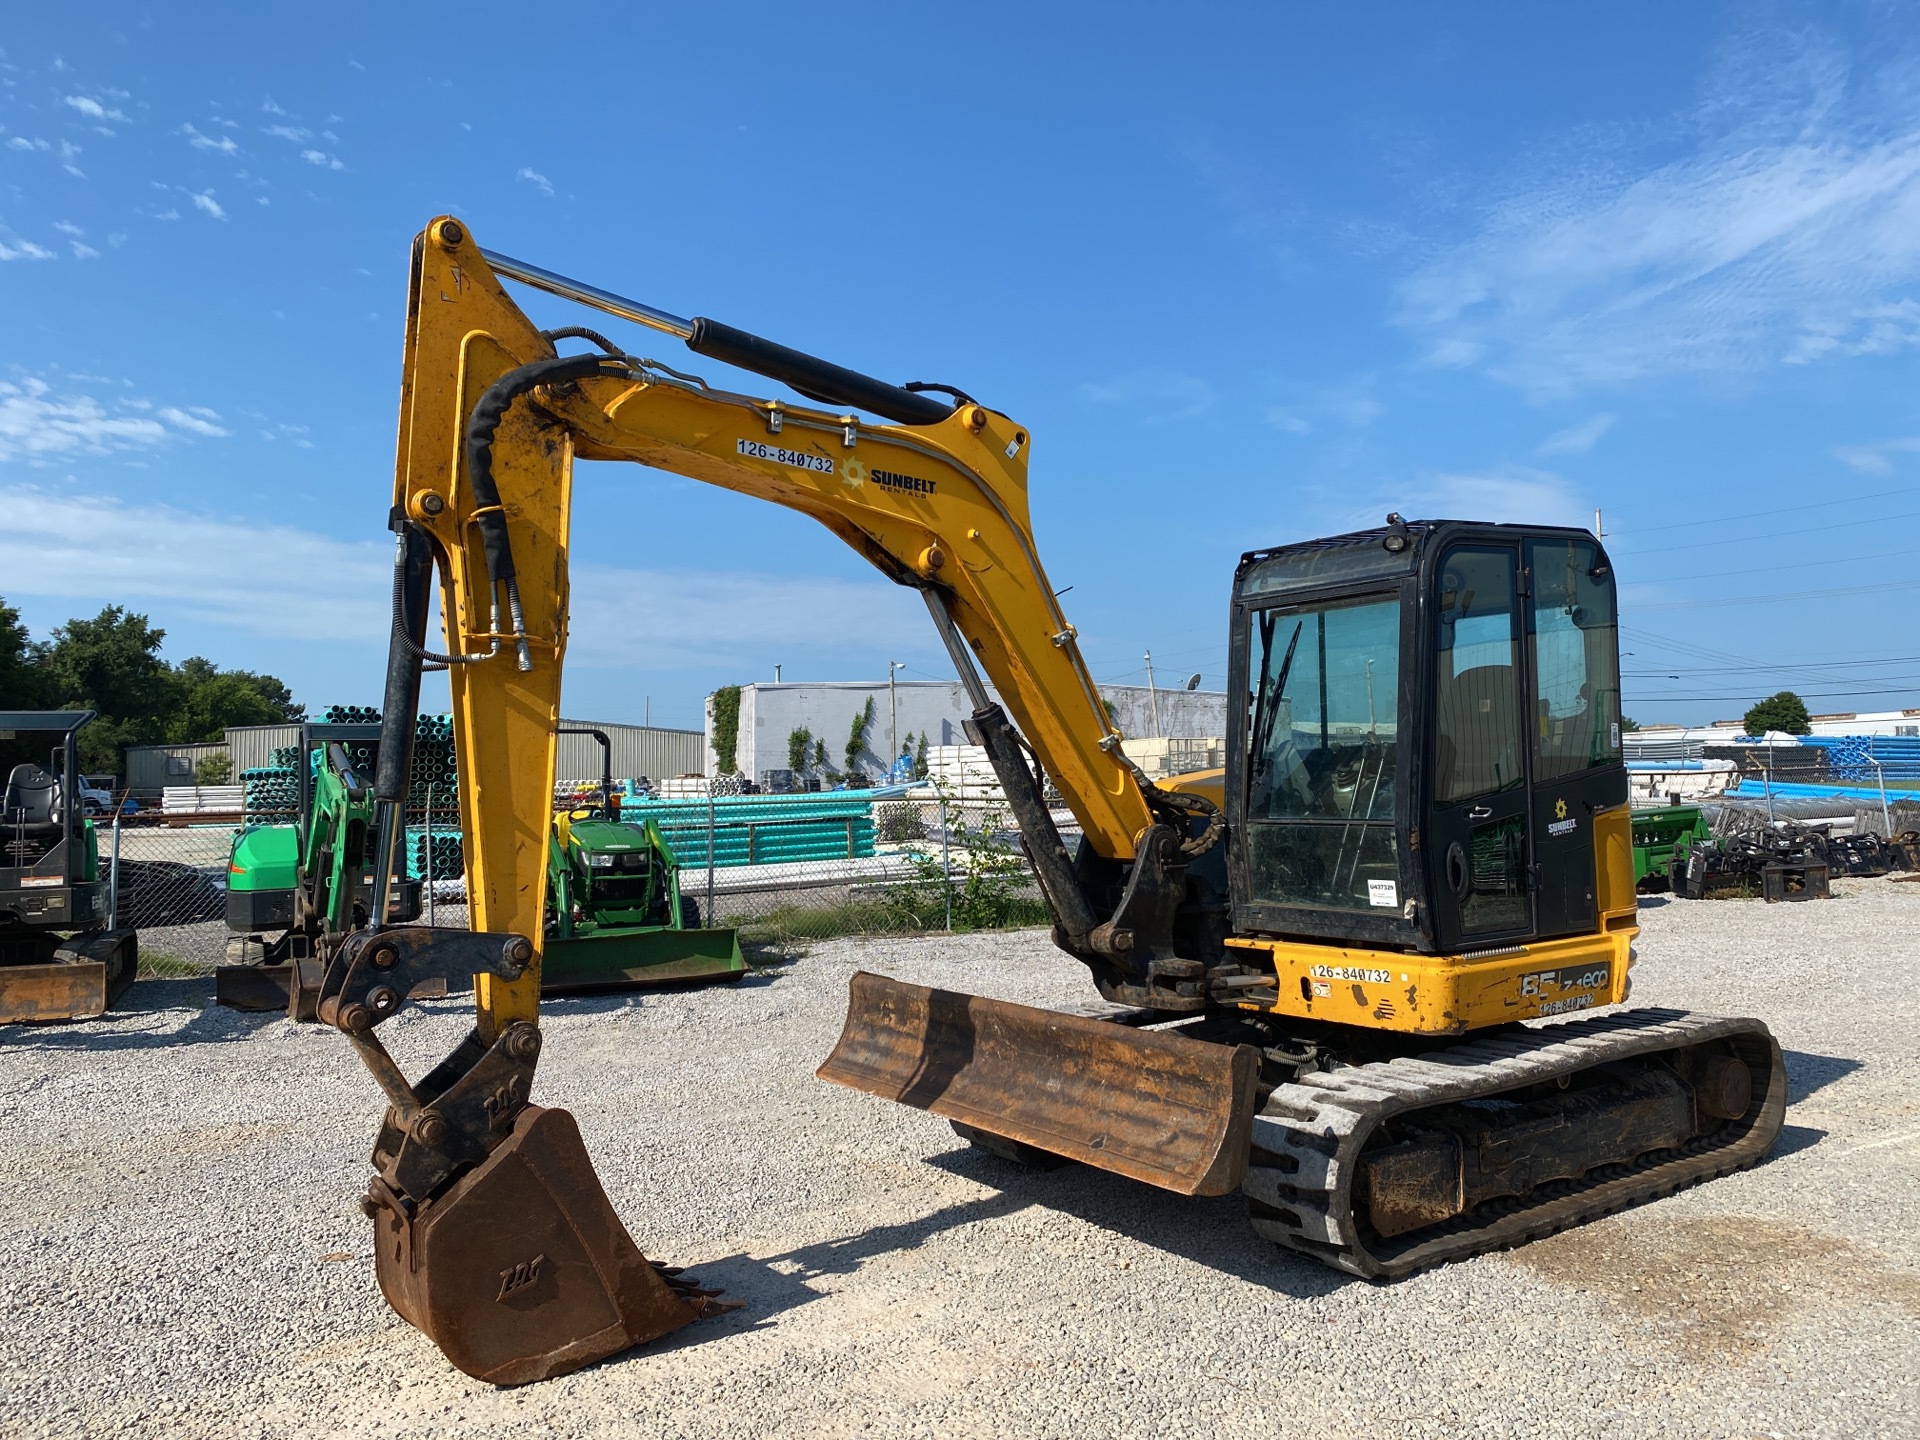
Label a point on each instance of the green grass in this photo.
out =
(906, 911)
(164, 965)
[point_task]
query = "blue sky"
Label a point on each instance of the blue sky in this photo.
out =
(1248, 275)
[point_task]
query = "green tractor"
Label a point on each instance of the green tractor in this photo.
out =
(294, 888)
(615, 916)
(61, 955)
(616, 919)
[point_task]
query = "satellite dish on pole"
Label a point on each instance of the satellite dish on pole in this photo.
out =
(1193, 682)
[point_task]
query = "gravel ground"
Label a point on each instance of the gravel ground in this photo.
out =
(180, 1252)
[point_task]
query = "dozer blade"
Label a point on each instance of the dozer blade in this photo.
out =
(293, 988)
(521, 1271)
(87, 979)
(40, 993)
(1171, 1111)
(627, 960)
(253, 987)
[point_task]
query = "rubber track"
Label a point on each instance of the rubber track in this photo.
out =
(1308, 1138)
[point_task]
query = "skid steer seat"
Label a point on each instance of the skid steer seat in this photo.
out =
(29, 805)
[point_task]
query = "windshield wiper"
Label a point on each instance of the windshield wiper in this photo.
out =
(1266, 705)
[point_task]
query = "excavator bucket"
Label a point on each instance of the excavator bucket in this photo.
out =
(1173, 1112)
(521, 1271)
(624, 960)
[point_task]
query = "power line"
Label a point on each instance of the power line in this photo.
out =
(1783, 596)
(1797, 565)
(1778, 510)
(1638, 701)
(1801, 665)
(1768, 535)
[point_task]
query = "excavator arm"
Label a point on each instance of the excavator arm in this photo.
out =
(492, 419)
(493, 1234)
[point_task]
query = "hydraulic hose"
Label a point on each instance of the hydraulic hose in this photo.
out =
(488, 514)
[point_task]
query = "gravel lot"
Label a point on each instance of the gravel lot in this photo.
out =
(180, 1252)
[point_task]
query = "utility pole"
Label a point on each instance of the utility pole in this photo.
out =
(1153, 697)
(646, 713)
(1599, 530)
(776, 674)
(893, 717)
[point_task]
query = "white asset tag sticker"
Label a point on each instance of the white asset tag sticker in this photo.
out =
(799, 459)
(1383, 893)
(39, 879)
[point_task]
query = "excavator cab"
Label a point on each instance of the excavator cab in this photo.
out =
(1431, 726)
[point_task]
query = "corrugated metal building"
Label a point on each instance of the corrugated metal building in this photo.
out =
(151, 768)
(637, 750)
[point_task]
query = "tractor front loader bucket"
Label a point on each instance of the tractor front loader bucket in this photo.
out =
(630, 959)
(1171, 1111)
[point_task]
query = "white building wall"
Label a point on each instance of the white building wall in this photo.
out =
(934, 708)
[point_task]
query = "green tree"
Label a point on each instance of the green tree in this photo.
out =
(799, 744)
(1628, 725)
(213, 770)
(857, 735)
(111, 664)
(211, 699)
(1785, 712)
(20, 678)
(726, 728)
(920, 759)
(820, 755)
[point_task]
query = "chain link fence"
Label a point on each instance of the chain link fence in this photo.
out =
(886, 863)
(170, 884)
(778, 868)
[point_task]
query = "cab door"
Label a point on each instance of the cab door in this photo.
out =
(1479, 823)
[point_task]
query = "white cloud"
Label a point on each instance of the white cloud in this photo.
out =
(626, 618)
(1282, 418)
(270, 108)
(534, 177)
(295, 133)
(21, 142)
(1510, 494)
(67, 227)
(1877, 458)
(197, 419)
(322, 159)
(204, 201)
(1577, 439)
(94, 548)
(168, 214)
(24, 250)
(38, 425)
(93, 109)
(223, 145)
(1785, 229)
(1155, 396)
(83, 252)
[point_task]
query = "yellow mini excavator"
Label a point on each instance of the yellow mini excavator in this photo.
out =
(1310, 965)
